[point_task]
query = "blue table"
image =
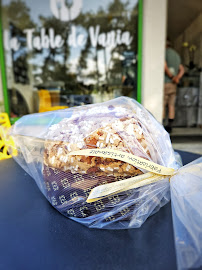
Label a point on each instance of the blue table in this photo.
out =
(33, 235)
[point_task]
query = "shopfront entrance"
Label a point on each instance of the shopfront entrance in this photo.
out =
(77, 52)
(184, 30)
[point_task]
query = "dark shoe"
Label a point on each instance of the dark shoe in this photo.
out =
(168, 129)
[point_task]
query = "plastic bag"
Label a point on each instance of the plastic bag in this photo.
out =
(45, 142)
(186, 199)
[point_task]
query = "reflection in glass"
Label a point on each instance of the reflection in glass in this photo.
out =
(80, 51)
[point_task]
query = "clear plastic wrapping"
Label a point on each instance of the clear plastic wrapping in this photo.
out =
(45, 141)
(186, 195)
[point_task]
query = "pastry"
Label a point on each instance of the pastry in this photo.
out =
(46, 142)
(69, 179)
(123, 134)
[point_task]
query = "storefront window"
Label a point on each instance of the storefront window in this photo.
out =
(68, 53)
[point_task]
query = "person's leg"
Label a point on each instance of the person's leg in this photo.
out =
(171, 107)
(171, 111)
(165, 101)
(171, 102)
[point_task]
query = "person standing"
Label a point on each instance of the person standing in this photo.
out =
(174, 71)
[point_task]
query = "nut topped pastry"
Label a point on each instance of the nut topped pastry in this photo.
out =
(123, 134)
(45, 151)
(70, 178)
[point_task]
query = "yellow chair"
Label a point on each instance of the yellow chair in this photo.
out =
(6, 141)
(4, 120)
(45, 102)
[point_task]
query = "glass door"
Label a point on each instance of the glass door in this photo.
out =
(69, 52)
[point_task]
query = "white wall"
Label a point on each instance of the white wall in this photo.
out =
(154, 36)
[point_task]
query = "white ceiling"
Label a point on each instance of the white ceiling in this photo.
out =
(181, 13)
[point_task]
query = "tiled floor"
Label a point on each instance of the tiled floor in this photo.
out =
(187, 139)
(189, 147)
